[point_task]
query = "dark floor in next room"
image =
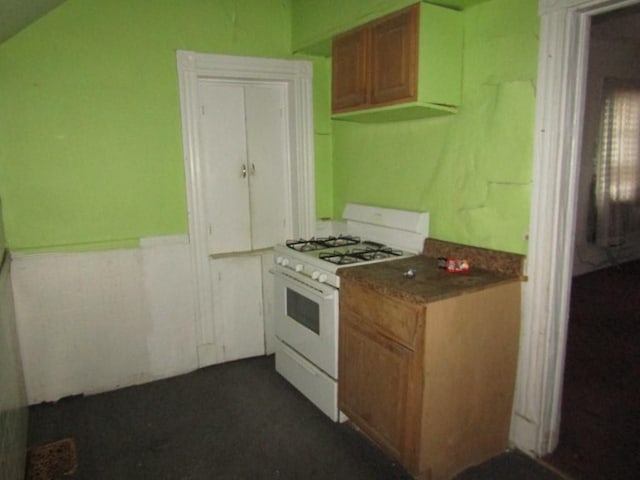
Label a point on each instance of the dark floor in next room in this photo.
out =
(600, 425)
(238, 420)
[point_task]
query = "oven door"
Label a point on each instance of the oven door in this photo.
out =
(306, 316)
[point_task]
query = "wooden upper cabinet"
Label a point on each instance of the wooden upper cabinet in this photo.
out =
(394, 57)
(405, 65)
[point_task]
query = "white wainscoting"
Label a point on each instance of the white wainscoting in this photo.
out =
(95, 321)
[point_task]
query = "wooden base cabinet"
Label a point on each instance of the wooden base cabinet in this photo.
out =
(431, 383)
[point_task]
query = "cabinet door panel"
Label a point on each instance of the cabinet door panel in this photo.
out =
(237, 306)
(224, 155)
(394, 57)
(267, 138)
(349, 71)
(373, 384)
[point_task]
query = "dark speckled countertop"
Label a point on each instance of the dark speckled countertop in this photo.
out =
(429, 284)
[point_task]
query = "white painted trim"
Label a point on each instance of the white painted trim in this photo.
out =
(564, 40)
(297, 75)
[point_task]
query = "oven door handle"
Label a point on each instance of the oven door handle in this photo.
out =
(316, 289)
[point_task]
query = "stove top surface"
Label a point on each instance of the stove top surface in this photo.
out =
(319, 258)
(397, 234)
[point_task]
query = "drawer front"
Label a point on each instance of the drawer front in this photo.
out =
(392, 318)
(312, 382)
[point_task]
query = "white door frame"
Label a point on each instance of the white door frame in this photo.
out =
(297, 76)
(563, 56)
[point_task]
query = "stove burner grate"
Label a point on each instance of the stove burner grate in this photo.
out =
(359, 255)
(305, 245)
(340, 258)
(340, 240)
(320, 243)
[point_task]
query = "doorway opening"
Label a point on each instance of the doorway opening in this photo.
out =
(600, 427)
(563, 58)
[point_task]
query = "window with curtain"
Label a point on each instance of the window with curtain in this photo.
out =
(617, 169)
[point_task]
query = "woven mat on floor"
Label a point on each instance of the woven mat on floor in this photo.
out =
(52, 461)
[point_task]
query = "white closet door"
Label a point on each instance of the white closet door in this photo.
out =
(267, 153)
(224, 158)
(237, 300)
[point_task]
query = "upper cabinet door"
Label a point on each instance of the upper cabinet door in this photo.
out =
(350, 70)
(244, 148)
(225, 164)
(394, 58)
(267, 140)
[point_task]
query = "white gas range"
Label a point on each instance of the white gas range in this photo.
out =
(307, 291)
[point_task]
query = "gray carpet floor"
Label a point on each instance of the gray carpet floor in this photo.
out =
(238, 420)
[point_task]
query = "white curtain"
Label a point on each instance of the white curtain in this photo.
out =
(617, 185)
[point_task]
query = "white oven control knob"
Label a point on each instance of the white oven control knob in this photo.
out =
(299, 267)
(279, 260)
(315, 274)
(284, 262)
(322, 278)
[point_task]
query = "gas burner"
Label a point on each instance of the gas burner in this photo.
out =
(380, 253)
(340, 258)
(340, 240)
(303, 245)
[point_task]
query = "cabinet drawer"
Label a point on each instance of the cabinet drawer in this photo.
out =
(395, 319)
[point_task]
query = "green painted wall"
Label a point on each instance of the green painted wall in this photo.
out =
(471, 170)
(90, 134)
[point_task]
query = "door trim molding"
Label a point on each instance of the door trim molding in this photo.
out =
(563, 55)
(297, 76)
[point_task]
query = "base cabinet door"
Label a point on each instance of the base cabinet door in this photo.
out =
(380, 380)
(237, 306)
(375, 397)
